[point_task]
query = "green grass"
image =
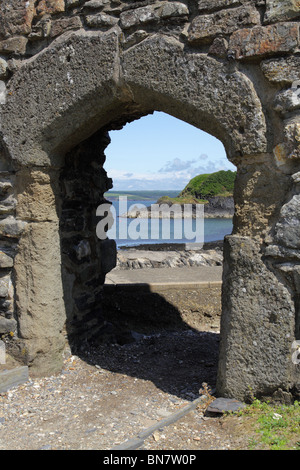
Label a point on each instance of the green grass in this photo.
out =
(272, 427)
(220, 183)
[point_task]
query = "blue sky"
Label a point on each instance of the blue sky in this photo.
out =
(161, 152)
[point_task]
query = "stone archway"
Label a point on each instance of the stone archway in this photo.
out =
(194, 64)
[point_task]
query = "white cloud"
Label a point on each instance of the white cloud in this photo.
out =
(174, 175)
(176, 165)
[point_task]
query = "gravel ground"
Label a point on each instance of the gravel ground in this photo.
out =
(111, 393)
(108, 394)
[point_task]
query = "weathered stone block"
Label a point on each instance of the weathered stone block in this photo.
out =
(3, 92)
(15, 45)
(6, 261)
(72, 3)
(210, 5)
(36, 195)
(16, 17)
(150, 13)
(205, 27)
(3, 68)
(283, 70)
(7, 325)
(286, 101)
(134, 38)
(11, 227)
(253, 215)
(173, 9)
(139, 16)
(8, 205)
(95, 4)
(3, 292)
(39, 293)
(5, 187)
(262, 41)
(219, 47)
(64, 24)
(100, 19)
(287, 229)
(288, 151)
(6, 287)
(41, 29)
(256, 329)
(281, 10)
(81, 66)
(50, 6)
(7, 199)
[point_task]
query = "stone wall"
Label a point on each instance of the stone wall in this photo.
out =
(71, 70)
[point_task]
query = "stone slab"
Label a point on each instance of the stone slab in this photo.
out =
(12, 378)
(262, 41)
(166, 277)
(223, 405)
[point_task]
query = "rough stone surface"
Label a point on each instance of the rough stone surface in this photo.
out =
(205, 27)
(15, 45)
(281, 10)
(70, 71)
(16, 17)
(264, 41)
(283, 71)
(208, 5)
(50, 6)
(71, 86)
(267, 325)
(101, 19)
(287, 229)
(38, 287)
(65, 24)
(201, 98)
(152, 13)
(3, 68)
(7, 325)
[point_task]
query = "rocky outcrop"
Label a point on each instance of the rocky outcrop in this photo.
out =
(133, 258)
(217, 207)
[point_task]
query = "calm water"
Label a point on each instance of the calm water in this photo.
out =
(212, 230)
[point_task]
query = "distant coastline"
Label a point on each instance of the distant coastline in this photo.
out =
(214, 191)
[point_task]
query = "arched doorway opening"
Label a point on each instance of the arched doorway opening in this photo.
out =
(119, 315)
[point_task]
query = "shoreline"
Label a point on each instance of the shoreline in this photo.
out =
(218, 244)
(216, 207)
(168, 255)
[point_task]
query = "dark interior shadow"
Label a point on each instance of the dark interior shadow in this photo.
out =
(144, 336)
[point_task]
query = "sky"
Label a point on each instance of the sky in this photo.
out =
(160, 152)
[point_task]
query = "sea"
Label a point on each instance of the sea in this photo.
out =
(136, 232)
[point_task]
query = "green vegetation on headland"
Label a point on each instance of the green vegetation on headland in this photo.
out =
(203, 187)
(199, 190)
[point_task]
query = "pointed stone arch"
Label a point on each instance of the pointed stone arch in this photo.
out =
(84, 81)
